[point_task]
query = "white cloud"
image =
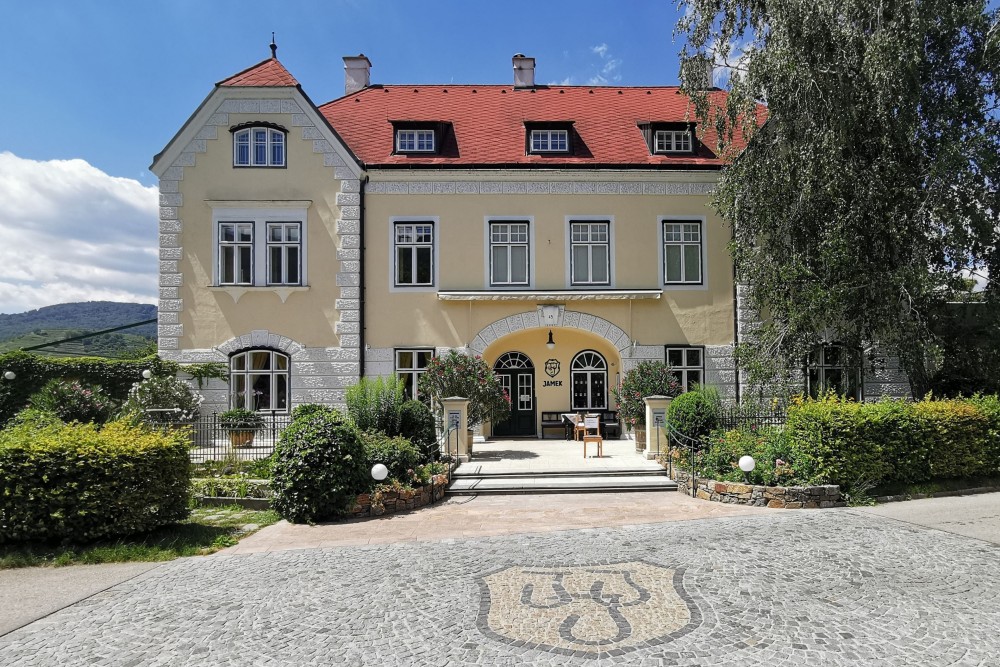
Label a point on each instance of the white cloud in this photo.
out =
(609, 69)
(600, 49)
(70, 232)
(980, 275)
(724, 67)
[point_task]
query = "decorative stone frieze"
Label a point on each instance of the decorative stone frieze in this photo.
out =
(538, 188)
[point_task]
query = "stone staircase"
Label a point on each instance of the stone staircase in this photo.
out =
(471, 479)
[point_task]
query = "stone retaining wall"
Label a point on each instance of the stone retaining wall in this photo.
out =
(389, 502)
(784, 497)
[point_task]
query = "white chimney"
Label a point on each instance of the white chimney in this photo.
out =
(357, 73)
(524, 71)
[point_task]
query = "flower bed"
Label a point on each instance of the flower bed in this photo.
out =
(388, 499)
(783, 497)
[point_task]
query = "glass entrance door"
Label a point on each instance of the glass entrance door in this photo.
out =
(517, 375)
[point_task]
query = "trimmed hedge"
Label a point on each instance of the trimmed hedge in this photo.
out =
(81, 482)
(319, 466)
(115, 376)
(695, 413)
(397, 454)
(865, 444)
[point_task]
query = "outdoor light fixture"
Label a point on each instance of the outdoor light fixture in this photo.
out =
(9, 375)
(379, 472)
(146, 374)
(747, 464)
(551, 344)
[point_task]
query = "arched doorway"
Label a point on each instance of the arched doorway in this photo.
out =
(517, 375)
(589, 379)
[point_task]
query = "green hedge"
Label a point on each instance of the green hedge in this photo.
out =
(114, 376)
(397, 454)
(863, 444)
(81, 482)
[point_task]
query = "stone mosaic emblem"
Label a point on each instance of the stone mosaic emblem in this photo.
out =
(552, 367)
(587, 610)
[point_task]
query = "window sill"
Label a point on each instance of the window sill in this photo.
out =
(237, 291)
(551, 295)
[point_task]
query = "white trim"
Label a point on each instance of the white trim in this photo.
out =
(488, 253)
(523, 182)
(549, 295)
(260, 216)
(673, 141)
(568, 231)
(548, 141)
(678, 287)
(435, 252)
(416, 140)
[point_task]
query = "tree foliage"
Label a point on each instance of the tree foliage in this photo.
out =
(871, 190)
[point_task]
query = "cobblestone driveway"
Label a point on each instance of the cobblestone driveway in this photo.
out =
(795, 588)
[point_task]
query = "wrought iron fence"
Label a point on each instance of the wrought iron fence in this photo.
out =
(734, 416)
(212, 441)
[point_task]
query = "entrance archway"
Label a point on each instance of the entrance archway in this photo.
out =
(517, 375)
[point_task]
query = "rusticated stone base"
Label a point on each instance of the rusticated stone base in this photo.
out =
(783, 497)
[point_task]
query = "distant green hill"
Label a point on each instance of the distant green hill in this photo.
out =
(66, 320)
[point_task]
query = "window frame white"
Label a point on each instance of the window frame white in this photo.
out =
(488, 224)
(686, 368)
(435, 244)
(273, 372)
(270, 136)
(237, 244)
(284, 245)
(412, 371)
(673, 136)
(591, 220)
(684, 229)
(418, 133)
(662, 221)
(260, 217)
(589, 371)
(548, 133)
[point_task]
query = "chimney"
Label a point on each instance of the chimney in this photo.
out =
(698, 73)
(524, 71)
(357, 73)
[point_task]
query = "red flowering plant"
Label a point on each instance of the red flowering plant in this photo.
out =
(455, 374)
(649, 378)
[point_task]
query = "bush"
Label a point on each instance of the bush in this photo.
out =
(80, 482)
(319, 466)
(770, 448)
(241, 419)
(457, 374)
(374, 404)
(396, 453)
(72, 401)
(171, 400)
(695, 414)
(649, 378)
(416, 423)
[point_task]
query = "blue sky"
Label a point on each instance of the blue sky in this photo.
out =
(92, 90)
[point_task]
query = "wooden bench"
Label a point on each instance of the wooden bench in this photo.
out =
(553, 420)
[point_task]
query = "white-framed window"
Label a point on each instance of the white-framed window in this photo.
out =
(590, 252)
(589, 381)
(672, 141)
(258, 380)
(236, 253)
(827, 369)
(258, 147)
(509, 253)
(410, 364)
(415, 141)
(549, 141)
(682, 252)
(414, 252)
(259, 247)
(284, 253)
(687, 364)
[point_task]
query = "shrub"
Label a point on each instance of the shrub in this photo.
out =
(374, 403)
(319, 466)
(649, 378)
(416, 423)
(80, 482)
(163, 399)
(73, 401)
(457, 374)
(770, 448)
(695, 414)
(241, 419)
(396, 453)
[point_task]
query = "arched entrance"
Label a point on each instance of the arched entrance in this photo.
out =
(589, 378)
(517, 375)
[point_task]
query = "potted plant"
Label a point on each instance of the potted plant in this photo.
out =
(648, 378)
(241, 424)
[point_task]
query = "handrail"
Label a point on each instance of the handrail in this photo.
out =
(693, 444)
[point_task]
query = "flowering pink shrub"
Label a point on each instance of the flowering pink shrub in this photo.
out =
(649, 378)
(455, 374)
(70, 400)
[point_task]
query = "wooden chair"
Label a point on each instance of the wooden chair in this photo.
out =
(579, 428)
(592, 433)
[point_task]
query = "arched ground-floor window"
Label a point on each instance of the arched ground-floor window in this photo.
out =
(258, 380)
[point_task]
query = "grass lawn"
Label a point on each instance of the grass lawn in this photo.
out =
(207, 530)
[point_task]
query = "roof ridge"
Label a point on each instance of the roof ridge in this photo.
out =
(280, 76)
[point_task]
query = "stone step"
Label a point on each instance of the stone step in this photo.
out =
(464, 486)
(465, 471)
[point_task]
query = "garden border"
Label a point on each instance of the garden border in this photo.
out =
(756, 495)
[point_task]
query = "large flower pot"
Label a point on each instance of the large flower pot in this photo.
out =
(640, 438)
(241, 438)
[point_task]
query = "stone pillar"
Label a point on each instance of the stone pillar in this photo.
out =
(456, 418)
(656, 420)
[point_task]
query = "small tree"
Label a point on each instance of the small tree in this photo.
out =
(163, 399)
(70, 400)
(649, 378)
(457, 374)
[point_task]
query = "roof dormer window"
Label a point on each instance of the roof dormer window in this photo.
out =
(673, 141)
(258, 146)
(549, 141)
(415, 141)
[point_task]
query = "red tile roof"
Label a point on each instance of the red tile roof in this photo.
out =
(265, 73)
(488, 124)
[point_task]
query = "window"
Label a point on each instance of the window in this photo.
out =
(236, 253)
(673, 141)
(410, 364)
(687, 364)
(508, 253)
(682, 251)
(827, 369)
(259, 147)
(415, 141)
(589, 378)
(414, 243)
(258, 380)
(550, 141)
(283, 253)
(590, 253)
